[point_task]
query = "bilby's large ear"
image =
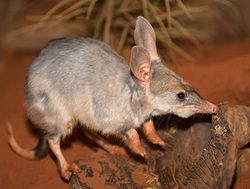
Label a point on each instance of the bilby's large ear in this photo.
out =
(140, 63)
(144, 36)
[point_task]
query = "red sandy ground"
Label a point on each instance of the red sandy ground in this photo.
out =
(221, 74)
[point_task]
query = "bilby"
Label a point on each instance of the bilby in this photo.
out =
(82, 80)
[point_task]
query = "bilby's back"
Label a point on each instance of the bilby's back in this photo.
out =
(80, 79)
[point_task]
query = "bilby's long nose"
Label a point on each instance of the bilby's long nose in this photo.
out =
(210, 108)
(214, 108)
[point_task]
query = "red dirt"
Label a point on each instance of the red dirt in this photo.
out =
(221, 74)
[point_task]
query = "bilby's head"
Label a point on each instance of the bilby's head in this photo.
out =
(167, 91)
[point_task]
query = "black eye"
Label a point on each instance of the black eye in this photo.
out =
(181, 95)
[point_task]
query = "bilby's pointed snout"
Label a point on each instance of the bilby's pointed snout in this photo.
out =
(214, 108)
(210, 108)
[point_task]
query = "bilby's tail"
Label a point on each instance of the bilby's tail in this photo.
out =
(38, 152)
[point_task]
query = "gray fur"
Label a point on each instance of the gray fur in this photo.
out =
(84, 80)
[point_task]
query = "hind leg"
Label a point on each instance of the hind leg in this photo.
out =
(64, 168)
(100, 141)
(54, 145)
(57, 123)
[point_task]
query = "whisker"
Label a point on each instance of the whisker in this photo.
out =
(163, 118)
(119, 142)
(156, 123)
(194, 116)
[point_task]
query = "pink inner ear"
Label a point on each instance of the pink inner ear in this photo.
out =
(144, 73)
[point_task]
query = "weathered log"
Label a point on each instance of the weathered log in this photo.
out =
(202, 153)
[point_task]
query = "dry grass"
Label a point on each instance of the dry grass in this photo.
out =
(111, 20)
